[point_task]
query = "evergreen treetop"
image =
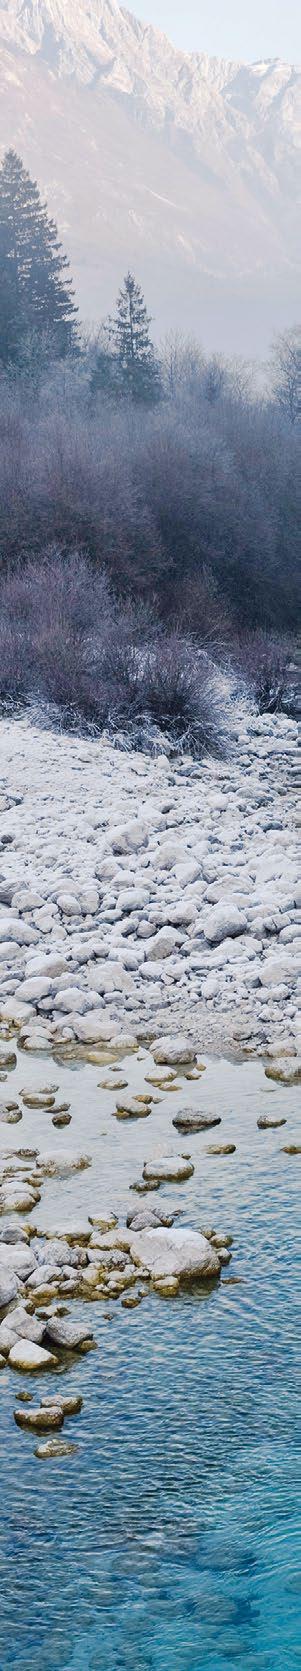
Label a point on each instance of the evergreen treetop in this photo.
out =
(130, 331)
(35, 292)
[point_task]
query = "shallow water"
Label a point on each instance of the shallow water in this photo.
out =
(170, 1540)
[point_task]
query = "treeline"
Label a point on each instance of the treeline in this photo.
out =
(192, 505)
(173, 472)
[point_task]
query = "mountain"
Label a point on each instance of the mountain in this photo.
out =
(184, 167)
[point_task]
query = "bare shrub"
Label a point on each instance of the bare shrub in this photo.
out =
(182, 693)
(66, 641)
(262, 660)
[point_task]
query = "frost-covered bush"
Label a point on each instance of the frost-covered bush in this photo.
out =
(66, 641)
(262, 661)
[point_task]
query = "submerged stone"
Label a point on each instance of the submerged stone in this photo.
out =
(55, 1448)
(61, 1120)
(45, 1098)
(40, 1420)
(71, 1404)
(175, 1168)
(266, 1122)
(190, 1120)
(287, 1072)
(131, 1108)
(221, 1149)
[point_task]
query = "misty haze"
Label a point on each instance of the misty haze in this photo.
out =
(150, 897)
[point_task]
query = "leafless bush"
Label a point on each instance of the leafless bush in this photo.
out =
(262, 661)
(66, 641)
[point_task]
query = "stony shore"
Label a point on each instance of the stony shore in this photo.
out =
(141, 894)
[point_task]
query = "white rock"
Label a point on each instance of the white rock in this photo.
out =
(68, 905)
(25, 1326)
(12, 928)
(66, 1332)
(49, 965)
(71, 999)
(7, 1336)
(182, 914)
(111, 978)
(175, 1252)
(20, 1259)
(15, 1012)
(223, 920)
(17, 1198)
(173, 1167)
(127, 838)
(167, 855)
(32, 990)
(27, 1355)
(278, 968)
(89, 900)
(133, 899)
(61, 1162)
(43, 1275)
(91, 1029)
(26, 900)
(173, 1050)
(188, 873)
(9, 1285)
(56, 1248)
(161, 945)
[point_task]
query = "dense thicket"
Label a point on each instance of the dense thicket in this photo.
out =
(149, 501)
(68, 644)
(193, 505)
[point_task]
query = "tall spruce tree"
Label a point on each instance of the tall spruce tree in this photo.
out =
(35, 293)
(139, 375)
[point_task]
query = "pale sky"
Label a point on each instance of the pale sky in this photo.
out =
(247, 29)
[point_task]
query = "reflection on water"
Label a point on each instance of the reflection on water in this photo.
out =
(169, 1542)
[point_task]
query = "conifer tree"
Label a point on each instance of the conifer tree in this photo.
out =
(133, 346)
(35, 293)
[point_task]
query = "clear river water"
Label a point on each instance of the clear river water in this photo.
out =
(170, 1541)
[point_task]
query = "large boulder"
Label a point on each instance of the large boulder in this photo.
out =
(171, 1051)
(65, 1332)
(26, 1355)
(59, 1163)
(40, 1420)
(180, 1253)
(223, 921)
(287, 1072)
(192, 1119)
(18, 1198)
(19, 1259)
(25, 1325)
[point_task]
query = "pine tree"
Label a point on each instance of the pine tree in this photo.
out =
(35, 294)
(105, 375)
(133, 347)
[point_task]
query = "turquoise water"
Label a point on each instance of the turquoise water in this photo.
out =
(170, 1541)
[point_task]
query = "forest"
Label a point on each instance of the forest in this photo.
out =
(149, 503)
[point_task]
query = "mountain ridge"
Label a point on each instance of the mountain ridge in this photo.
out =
(224, 136)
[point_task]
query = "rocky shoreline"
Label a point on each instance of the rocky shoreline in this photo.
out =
(139, 895)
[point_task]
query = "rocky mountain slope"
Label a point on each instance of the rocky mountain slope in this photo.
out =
(144, 150)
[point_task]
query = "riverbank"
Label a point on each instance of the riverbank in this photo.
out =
(146, 895)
